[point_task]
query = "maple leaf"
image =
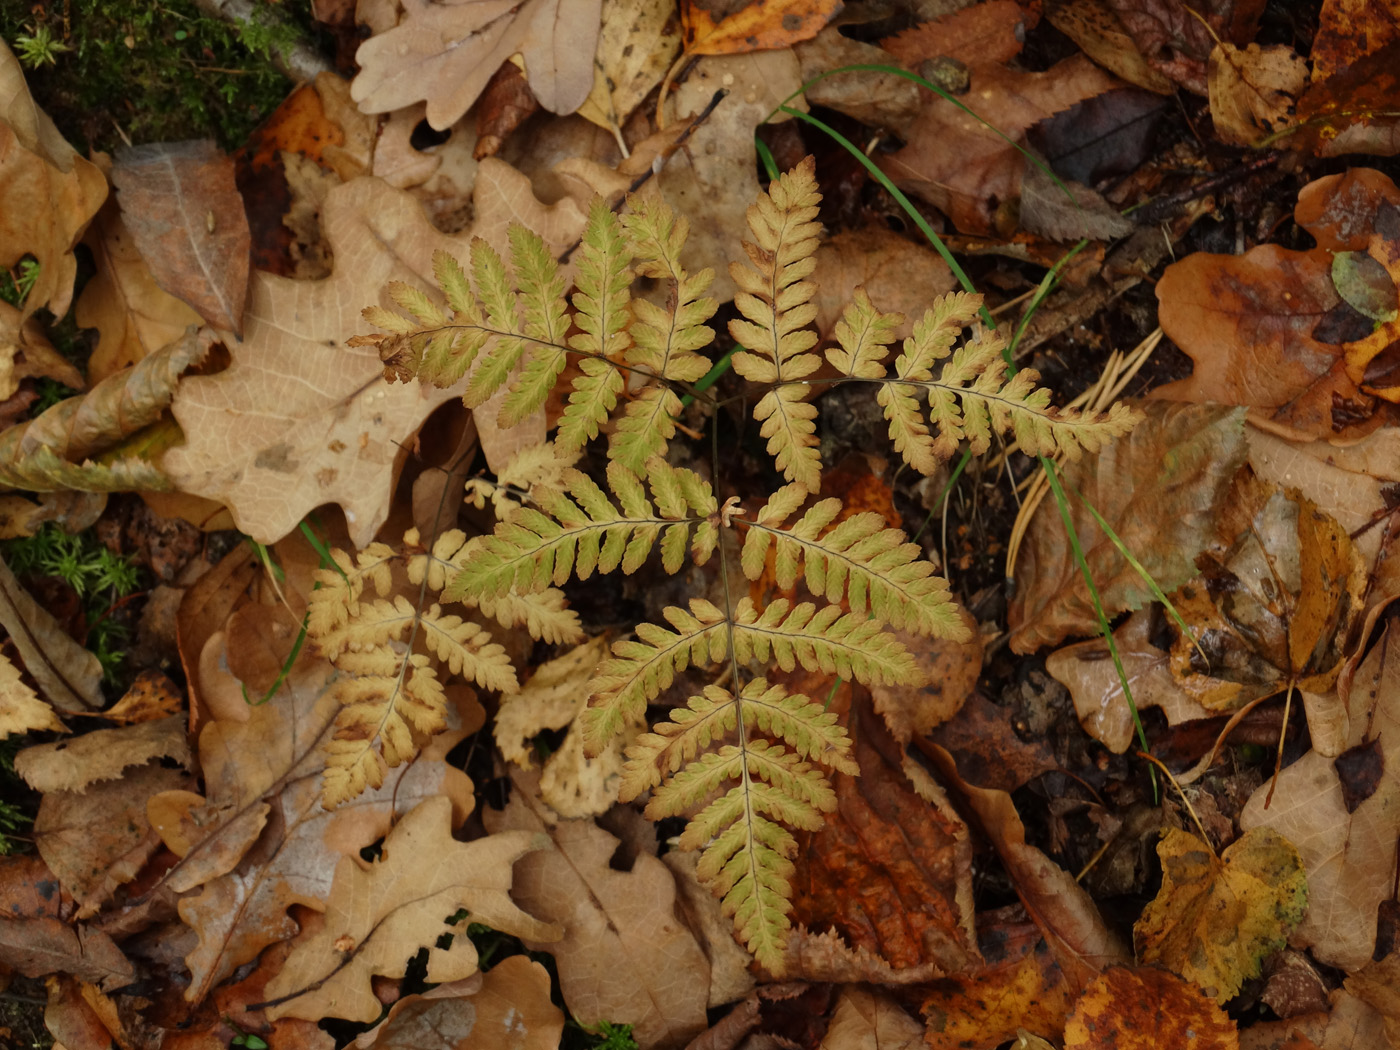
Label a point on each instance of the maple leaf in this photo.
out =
(446, 52)
(377, 920)
(298, 419)
(1215, 919)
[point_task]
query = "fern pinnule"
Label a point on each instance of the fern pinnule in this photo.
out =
(774, 297)
(861, 559)
(822, 639)
(546, 324)
(580, 529)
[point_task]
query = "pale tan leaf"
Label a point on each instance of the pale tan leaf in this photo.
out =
(377, 920)
(21, 710)
(298, 419)
(50, 192)
(866, 1020)
(624, 957)
(71, 765)
(68, 675)
(508, 1008)
(637, 43)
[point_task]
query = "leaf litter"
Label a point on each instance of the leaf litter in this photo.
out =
(200, 891)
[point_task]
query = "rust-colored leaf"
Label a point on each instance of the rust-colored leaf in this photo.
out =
(1146, 1009)
(727, 27)
(186, 216)
(505, 104)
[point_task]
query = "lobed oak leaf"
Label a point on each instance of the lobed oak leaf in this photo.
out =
(314, 422)
(1215, 919)
(624, 956)
(378, 919)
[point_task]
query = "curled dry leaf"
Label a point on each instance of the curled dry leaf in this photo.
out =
(1348, 853)
(1159, 489)
(378, 919)
(186, 217)
(94, 442)
(311, 420)
(1216, 919)
(68, 676)
(1087, 670)
(1275, 608)
(1144, 1009)
(511, 1010)
(625, 956)
(50, 192)
(71, 765)
(445, 54)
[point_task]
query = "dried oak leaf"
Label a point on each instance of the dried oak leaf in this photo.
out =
(624, 956)
(1215, 919)
(1349, 857)
(508, 1008)
(298, 419)
(1096, 28)
(134, 316)
(1145, 1009)
(378, 919)
(185, 215)
(445, 54)
(1274, 608)
(1176, 37)
(1159, 488)
(49, 192)
(1268, 329)
(98, 839)
(261, 842)
(1087, 670)
(864, 1018)
(71, 765)
(891, 868)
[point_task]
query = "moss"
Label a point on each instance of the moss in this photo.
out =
(153, 71)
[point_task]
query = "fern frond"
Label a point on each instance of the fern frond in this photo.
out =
(863, 338)
(826, 640)
(542, 614)
(861, 559)
(774, 297)
(664, 341)
(580, 530)
(542, 297)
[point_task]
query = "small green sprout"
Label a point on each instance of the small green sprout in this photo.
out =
(39, 48)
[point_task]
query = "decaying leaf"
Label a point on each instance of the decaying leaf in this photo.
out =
(864, 1019)
(1088, 671)
(445, 54)
(36, 947)
(624, 956)
(1349, 855)
(637, 43)
(378, 919)
(1096, 28)
(273, 449)
(758, 25)
(186, 217)
(50, 192)
(510, 1009)
(1144, 1009)
(1254, 90)
(882, 100)
(1215, 919)
(951, 669)
(102, 754)
(1159, 488)
(898, 275)
(1274, 609)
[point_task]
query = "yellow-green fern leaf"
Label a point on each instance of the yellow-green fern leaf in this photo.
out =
(542, 299)
(774, 298)
(498, 301)
(825, 639)
(862, 560)
(863, 337)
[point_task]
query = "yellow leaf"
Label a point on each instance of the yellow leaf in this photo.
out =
(638, 42)
(1215, 919)
(762, 26)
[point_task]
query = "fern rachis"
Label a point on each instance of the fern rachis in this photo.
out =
(744, 759)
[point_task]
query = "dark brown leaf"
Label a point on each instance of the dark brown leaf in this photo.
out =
(36, 947)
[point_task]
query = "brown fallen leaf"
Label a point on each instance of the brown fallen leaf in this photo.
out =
(36, 947)
(951, 670)
(1088, 671)
(335, 432)
(1159, 488)
(134, 316)
(99, 839)
(1349, 856)
(624, 956)
(882, 100)
(1176, 38)
(1378, 984)
(891, 869)
(71, 765)
(1143, 1009)
(1272, 610)
(510, 1010)
(68, 676)
(50, 192)
(186, 218)
(758, 25)
(1216, 919)
(377, 920)
(445, 54)
(1096, 28)
(898, 275)
(864, 1018)
(1254, 90)
(505, 104)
